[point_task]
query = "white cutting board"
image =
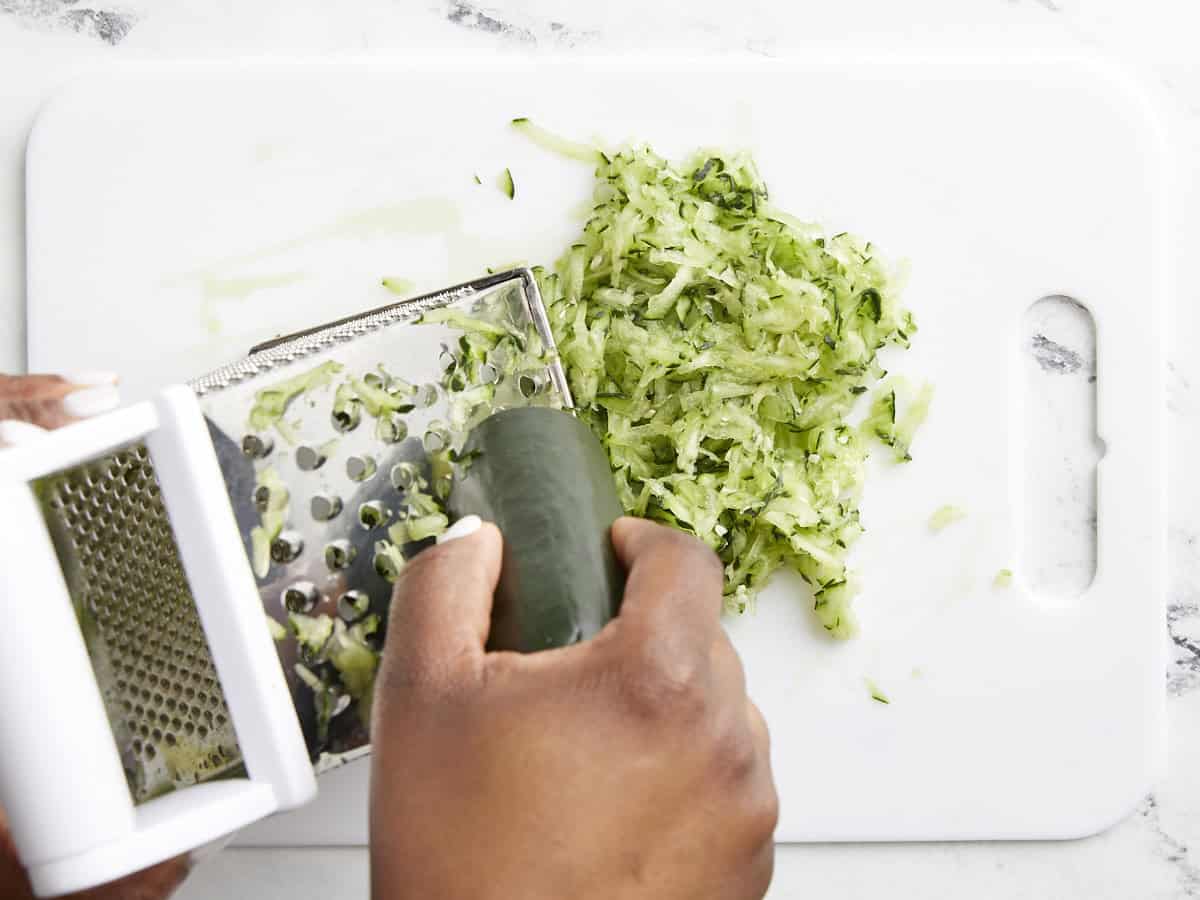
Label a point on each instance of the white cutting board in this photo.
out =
(177, 215)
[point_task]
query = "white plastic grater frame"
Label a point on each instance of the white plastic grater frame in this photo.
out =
(76, 825)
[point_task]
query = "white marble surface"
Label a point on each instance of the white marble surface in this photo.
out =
(1147, 857)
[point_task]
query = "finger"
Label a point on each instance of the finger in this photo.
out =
(51, 401)
(155, 883)
(34, 398)
(674, 581)
(441, 610)
(85, 402)
(13, 880)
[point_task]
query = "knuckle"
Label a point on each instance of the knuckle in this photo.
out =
(422, 678)
(426, 575)
(709, 563)
(765, 817)
(692, 552)
(420, 570)
(663, 684)
(728, 661)
(398, 679)
(734, 755)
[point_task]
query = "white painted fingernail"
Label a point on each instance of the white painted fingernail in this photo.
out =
(460, 529)
(91, 401)
(94, 378)
(14, 433)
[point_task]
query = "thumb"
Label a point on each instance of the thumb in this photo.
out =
(441, 610)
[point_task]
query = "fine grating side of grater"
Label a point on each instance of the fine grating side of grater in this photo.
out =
(120, 559)
(118, 554)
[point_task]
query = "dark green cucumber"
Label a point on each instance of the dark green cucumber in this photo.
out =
(543, 478)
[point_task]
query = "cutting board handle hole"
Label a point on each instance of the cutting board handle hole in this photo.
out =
(1061, 447)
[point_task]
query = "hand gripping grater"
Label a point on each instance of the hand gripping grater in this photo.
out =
(149, 707)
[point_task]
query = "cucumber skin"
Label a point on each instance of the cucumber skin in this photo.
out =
(544, 479)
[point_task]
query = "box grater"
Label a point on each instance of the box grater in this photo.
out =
(155, 669)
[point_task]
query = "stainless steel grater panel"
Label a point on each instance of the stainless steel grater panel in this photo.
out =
(283, 350)
(385, 338)
(118, 554)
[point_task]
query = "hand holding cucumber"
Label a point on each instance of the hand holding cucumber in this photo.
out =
(632, 765)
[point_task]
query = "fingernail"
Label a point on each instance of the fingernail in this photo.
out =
(460, 529)
(91, 401)
(90, 378)
(13, 432)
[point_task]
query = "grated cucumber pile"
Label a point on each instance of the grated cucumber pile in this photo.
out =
(719, 348)
(726, 354)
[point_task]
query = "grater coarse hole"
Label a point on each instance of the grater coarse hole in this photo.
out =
(131, 596)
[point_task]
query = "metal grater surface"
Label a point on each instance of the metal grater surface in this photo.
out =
(332, 471)
(119, 558)
(518, 283)
(118, 552)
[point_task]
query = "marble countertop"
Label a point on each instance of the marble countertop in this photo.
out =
(45, 42)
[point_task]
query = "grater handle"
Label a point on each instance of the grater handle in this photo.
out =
(61, 782)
